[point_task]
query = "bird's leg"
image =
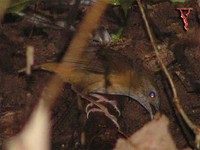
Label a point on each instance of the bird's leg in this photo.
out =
(103, 99)
(100, 100)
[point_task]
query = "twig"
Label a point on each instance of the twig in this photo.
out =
(176, 100)
(3, 6)
(29, 59)
(76, 47)
(90, 22)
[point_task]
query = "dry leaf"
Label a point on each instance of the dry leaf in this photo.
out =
(153, 136)
(36, 133)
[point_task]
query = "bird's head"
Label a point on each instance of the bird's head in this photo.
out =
(147, 95)
(150, 94)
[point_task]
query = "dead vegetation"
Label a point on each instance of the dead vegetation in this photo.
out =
(32, 104)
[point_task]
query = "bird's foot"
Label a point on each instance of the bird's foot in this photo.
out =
(101, 99)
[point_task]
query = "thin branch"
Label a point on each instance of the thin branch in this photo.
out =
(76, 47)
(176, 100)
(3, 6)
(90, 22)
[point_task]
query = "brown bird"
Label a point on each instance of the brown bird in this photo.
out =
(108, 72)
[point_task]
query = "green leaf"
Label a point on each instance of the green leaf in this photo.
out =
(116, 37)
(114, 2)
(180, 1)
(17, 6)
(126, 4)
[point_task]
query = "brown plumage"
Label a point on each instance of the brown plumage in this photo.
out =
(108, 72)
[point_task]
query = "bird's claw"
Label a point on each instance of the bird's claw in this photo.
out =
(103, 99)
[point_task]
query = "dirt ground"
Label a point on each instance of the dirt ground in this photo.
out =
(19, 93)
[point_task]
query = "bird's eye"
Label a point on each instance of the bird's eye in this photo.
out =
(152, 94)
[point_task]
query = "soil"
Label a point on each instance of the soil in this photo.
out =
(19, 93)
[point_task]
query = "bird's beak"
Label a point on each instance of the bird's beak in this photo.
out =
(155, 107)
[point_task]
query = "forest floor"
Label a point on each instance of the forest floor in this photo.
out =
(20, 93)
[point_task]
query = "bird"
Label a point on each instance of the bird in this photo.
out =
(105, 71)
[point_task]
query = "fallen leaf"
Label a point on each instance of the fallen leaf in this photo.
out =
(36, 133)
(153, 136)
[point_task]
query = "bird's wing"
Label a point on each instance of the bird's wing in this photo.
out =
(102, 61)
